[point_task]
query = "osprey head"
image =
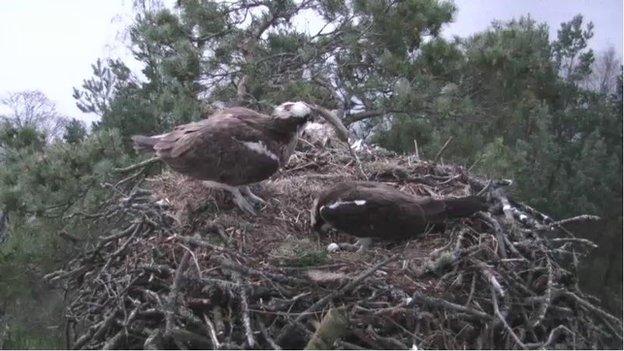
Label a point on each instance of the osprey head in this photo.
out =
(317, 223)
(299, 110)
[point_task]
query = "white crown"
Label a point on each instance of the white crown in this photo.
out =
(292, 109)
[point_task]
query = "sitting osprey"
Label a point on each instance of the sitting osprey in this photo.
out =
(374, 210)
(232, 148)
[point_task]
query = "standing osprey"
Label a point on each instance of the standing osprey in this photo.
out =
(233, 148)
(373, 210)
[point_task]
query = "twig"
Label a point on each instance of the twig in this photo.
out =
(575, 240)
(343, 134)
(212, 333)
(329, 116)
(439, 154)
(591, 307)
(137, 165)
(173, 295)
(581, 218)
(251, 342)
(497, 230)
(547, 298)
(357, 162)
(490, 278)
(323, 301)
(267, 337)
(554, 335)
(502, 319)
(416, 153)
(441, 303)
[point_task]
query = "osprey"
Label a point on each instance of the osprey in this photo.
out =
(233, 148)
(372, 210)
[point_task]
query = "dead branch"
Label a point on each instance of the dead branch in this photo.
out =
(439, 154)
(137, 165)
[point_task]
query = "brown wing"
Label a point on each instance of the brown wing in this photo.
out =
(215, 149)
(181, 138)
(375, 210)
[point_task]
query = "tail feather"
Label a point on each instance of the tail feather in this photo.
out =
(143, 143)
(465, 206)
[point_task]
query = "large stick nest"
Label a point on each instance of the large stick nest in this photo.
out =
(181, 267)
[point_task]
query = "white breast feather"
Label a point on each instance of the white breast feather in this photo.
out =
(260, 148)
(342, 203)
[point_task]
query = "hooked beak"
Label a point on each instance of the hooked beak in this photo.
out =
(317, 224)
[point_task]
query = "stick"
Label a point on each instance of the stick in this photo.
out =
(576, 240)
(439, 154)
(137, 165)
(581, 218)
(267, 337)
(343, 134)
(437, 302)
(547, 298)
(489, 276)
(591, 307)
(212, 333)
(416, 153)
(154, 341)
(554, 334)
(487, 217)
(357, 162)
(323, 301)
(329, 116)
(171, 300)
(500, 316)
(251, 342)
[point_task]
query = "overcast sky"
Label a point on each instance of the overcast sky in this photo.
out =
(50, 45)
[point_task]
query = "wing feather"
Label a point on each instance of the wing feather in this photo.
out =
(377, 210)
(217, 148)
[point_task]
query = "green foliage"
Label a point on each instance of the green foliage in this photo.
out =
(20, 338)
(52, 181)
(500, 96)
(515, 103)
(14, 138)
(573, 62)
(44, 188)
(251, 54)
(299, 253)
(75, 132)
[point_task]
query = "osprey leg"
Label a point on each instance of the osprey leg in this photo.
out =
(242, 202)
(239, 199)
(253, 197)
(364, 243)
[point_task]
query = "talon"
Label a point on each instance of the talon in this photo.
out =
(364, 244)
(239, 199)
(253, 197)
(244, 205)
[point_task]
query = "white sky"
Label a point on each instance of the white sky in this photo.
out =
(50, 45)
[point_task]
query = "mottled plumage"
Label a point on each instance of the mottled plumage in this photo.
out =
(233, 147)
